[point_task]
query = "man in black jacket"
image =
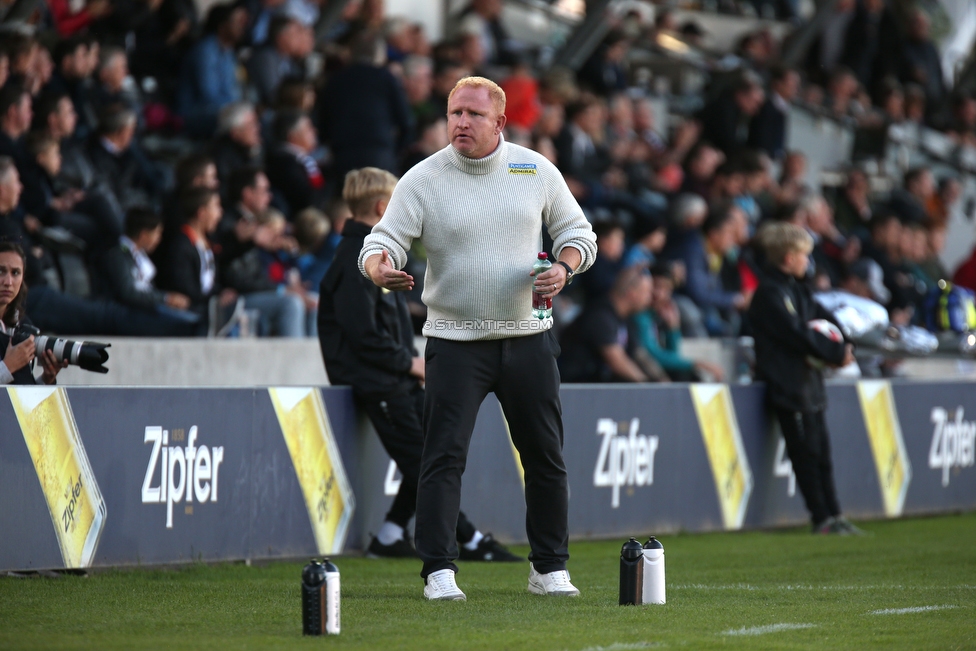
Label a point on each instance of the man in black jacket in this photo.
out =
(790, 356)
(366, 336)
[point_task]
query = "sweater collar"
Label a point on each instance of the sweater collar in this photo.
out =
(478, 166)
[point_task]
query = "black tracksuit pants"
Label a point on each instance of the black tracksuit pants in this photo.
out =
(398, 420)
(808, 445)
(522, 373)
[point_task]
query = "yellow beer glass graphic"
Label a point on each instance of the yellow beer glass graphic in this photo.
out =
(887, 444)
(723, 443)
(308, 435)
(73, 498)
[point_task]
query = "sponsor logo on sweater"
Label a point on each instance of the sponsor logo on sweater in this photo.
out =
(521, 168)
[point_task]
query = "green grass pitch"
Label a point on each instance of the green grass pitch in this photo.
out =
(911, 584)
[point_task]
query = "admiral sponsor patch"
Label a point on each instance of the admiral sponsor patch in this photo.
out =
(521, 168)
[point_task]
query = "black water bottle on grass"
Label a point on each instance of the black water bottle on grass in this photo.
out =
(320, 598)
(631, 573)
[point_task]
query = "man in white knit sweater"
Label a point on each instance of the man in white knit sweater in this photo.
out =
(478, 207)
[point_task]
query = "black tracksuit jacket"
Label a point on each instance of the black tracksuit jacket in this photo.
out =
(779, 313)
(365, 331)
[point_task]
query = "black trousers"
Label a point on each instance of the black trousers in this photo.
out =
(808, 445)
(398, 420)
(522, 373)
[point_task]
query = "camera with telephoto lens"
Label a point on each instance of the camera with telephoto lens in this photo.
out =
(89, 355)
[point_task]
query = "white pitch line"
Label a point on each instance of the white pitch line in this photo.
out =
(908, 611)
(802, 587)
(623, 646)
(771, 628)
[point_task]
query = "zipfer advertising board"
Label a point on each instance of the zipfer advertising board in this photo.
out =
(122, 476)
(126, 476)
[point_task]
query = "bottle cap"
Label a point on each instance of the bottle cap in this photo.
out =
(314, 573)
(653, 543)
(631, 550)
(329, 566)
(543, 255)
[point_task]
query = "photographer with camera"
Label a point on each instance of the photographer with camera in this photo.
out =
(17, 366)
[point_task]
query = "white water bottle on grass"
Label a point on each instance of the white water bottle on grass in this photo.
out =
(653, 588)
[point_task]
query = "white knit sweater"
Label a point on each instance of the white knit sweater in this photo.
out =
(480, 221)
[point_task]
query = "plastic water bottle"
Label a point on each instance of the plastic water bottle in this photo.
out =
(541, 306)
(320, 598)
(631, 573)
(653, 589)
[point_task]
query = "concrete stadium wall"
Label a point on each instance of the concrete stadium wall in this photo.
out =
(122, 476)
(298, 362)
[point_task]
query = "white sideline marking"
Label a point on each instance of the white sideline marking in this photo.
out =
(840, 588)
(906, 611)
(622, 646)
(771, 628)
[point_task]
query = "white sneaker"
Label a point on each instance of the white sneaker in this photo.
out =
(442, 587)
(554, 583)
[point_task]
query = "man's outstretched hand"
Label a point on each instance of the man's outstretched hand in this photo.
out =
(382, 272)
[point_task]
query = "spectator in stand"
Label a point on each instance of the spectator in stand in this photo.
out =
(600, 345)
(841, 100)
(43, 203)
(650, 236)
(11, 215)
(853, 210)
(112, 88)
(447, 72)
(119, 165)
(965, 275)
(70, 18)
(482, 18)
(246, 240)
(793, 178)
(238, 142)
(910, 202)
(364, 114)
(768, 128)
(15, 120)
(73, 76)
(294, 174)
(260, 14)
(915, 104)
(703, 258)
(604, 73)
(826, 52)
(943, 203)
(610, 241)
(522, 92)
(832, 252)
(884, 247)
(289, 42)
(23, 65)
(399, 35)
(725, 120)
(659, 330)
(870, 39)
(4, 67)
(128, 274)
(433, 137)
(418, 84)
(700, 167)
(186, 260)
(921, 64)
(161, 41)
(208, 77)
(931, 264)
(962, 126)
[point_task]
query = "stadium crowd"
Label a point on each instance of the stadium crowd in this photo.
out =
(178, 174)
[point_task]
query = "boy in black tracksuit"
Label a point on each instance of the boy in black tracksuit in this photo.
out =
(787, 356)
(366, 336)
